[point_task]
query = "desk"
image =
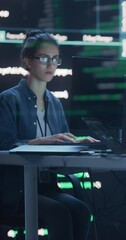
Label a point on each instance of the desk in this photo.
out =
(64, 164)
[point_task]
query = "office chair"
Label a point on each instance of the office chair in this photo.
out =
(18, 221)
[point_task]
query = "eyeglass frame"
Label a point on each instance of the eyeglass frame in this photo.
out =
(48, 59)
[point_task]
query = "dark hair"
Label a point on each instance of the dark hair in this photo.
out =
(34, 40)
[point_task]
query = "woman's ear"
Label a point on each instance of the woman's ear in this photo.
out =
(27, 63)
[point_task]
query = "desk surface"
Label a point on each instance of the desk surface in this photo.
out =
(94, 162)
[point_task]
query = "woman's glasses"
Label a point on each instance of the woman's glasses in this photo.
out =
(45, 59)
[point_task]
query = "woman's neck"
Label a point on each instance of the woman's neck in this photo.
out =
(38, 87)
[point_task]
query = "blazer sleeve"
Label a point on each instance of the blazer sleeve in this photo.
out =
(8, 123)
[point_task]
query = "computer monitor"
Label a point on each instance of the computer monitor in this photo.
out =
(98, 85)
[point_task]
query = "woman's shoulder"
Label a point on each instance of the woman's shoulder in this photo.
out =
(10, 94)
(12, 91)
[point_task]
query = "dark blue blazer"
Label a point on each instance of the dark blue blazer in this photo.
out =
(18, 115)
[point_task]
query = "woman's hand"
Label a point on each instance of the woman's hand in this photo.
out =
(54, 139)
(61, 138)
(87, 139)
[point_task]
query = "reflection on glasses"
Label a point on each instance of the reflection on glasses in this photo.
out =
(44, 59)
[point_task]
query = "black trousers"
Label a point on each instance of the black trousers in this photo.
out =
(66, 217)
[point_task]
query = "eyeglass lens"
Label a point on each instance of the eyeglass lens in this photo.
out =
(47, 59)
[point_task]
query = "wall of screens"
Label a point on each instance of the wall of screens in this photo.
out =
(84, 28)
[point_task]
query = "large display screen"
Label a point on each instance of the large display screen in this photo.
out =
(98, 86)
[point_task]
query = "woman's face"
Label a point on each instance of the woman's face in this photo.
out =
(40, 71)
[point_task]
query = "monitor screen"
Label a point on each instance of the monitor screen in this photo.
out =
(97, 90)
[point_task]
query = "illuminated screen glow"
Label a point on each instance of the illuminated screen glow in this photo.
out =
(98, 85)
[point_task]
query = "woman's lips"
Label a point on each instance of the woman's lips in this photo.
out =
(49, 72)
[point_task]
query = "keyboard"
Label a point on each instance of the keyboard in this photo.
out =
(86, 145)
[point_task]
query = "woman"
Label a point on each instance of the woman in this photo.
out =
(30, 114)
